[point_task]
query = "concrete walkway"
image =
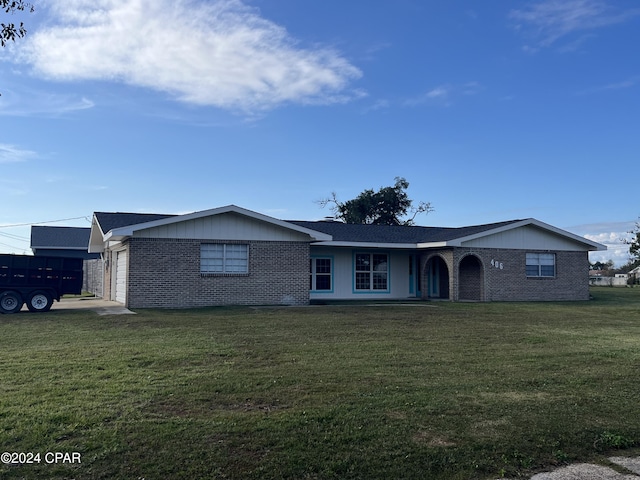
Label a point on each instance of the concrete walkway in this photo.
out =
(629, 466)
(98, 305)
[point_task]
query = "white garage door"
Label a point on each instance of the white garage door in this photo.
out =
(121, 277)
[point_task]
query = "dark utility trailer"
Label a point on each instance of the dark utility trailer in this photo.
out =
(37, 280)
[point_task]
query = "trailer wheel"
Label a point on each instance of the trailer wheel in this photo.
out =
(10, 302)
(39, 301)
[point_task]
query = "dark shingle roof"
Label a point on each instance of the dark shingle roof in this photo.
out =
(341, 232)
(346, 232)
(60, 237)
(109, 221)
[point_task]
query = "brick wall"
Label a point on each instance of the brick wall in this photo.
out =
(165, 273)
(502, 276)
(510, 282)
(471, 284)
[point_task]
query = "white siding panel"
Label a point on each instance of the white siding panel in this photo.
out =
(121, 277)
(227, 226)
(526, 238)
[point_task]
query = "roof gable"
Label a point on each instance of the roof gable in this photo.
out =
(224, 226)
(129, 230)
(119, 226)
(528, 235)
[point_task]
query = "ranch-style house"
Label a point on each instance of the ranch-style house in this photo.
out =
(234, 256)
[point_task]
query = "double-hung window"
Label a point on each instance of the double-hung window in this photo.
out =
(541, 265)
(371, 271)
(224, 258)
(320, 274)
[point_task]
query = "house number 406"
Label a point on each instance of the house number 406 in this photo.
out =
(497, 264)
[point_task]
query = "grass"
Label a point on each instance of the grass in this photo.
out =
(431, 390)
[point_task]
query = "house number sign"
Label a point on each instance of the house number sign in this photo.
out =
(497, 264)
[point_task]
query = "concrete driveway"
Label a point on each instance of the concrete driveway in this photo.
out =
(98, 305)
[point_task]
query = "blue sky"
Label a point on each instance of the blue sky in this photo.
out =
(491, 110)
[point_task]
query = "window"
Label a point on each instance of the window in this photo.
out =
(320, 274)
(224, 258)
(541, 265)
(371, 271)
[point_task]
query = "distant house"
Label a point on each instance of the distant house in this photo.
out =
(61, 242)
(70, 242)
(618, 280)
(231, 255)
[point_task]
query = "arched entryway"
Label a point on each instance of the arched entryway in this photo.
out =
(437, 278)
(470, 275)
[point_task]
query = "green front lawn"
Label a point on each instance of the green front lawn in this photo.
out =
(431, 390)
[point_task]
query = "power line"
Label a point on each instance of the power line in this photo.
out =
(14, 237)
(12, 246)
(10, 236)
(42, 223)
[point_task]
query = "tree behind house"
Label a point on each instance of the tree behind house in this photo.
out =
(10, 30)
(634, 243)
(387, 206)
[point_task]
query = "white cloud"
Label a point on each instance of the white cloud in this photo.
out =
(619, 254)
(445, 94)
(438, 92)
(628, 83)
(471, 88)
(549, 20)
(13, 189)
(576, 45)
(21, 102)
(380, 104)
(216, 52)
(371, 53)
(11, 154)
(608, 238)
(610, 234)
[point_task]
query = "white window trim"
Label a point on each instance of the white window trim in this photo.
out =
(530, 261)
(371, 272)
(226, 268)
(314, 274)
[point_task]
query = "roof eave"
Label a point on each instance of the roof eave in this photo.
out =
(426, 245)
(396, 246)
(43, 247)
(96, 245)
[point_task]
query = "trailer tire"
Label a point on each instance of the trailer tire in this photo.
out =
(10, 302)
(40, 301)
